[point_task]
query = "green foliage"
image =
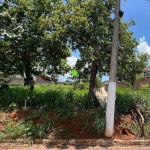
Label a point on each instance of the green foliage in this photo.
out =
(130, 61)
(33, 38)
(147, 130)
(94, 121)
(4, 84)
(12, 106)
(90, 29)
(99, 121)
(56, 97)
(98, 82)
(80, 86)
(38, 131)
(26, 129)
(66, 103)
(51, 97)
(12, 131)
(123, 102)
(127, 97)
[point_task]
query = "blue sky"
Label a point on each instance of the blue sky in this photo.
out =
(139, 11)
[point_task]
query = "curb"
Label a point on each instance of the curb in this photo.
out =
(132, 142)
(100, 142)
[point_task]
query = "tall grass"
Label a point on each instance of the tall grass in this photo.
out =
(68, 102)
(127, 97)
(50, 97)
(62, 99)
(53, 97)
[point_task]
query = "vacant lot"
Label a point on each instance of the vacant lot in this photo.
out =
(59, 112)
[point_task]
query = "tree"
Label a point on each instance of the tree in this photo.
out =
(130, 61)
(90, 30)
(35, 39)
(4, 17)
(83, 70)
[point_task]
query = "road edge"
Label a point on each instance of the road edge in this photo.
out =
(101, 142)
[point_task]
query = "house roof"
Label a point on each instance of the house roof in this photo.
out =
(147, 69)
(47, 78)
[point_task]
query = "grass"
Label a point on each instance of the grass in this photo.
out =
(26, 130)
(127, 97)
(49, 97)
(63, 100)
(67, 103)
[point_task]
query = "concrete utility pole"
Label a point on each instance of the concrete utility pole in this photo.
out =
(112, 79)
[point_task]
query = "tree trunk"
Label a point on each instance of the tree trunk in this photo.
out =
(27, 70)
(92, 80)
(29, 79)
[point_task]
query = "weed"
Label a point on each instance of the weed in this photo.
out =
(80, 86)
(147, 130)
(5, 121)
(61, 133)
(135, 129)
(12, 131)
(67, 104)
(26, 129)
(12, 106)
(94, 122)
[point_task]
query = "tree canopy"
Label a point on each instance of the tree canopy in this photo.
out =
(90, 30)
(33, 39)
(37, 36)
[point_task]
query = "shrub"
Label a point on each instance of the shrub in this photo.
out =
(94, 121)
(4, 84)
(126, 98)
(80, 86)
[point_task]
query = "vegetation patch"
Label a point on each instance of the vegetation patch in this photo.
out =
(56, 112)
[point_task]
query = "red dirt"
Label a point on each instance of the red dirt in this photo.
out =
(18, 115)
(121, 127)
(72, 127)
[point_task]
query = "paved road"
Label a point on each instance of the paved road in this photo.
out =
(7, 146)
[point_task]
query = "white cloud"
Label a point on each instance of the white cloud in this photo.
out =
(143, 46)
(71, 61)
(63, 78)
